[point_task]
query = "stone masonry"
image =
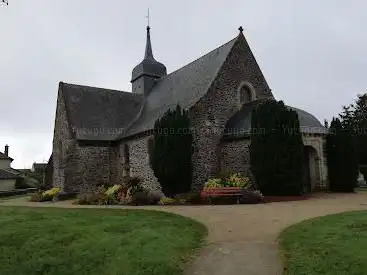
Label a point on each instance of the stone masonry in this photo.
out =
(210, 115)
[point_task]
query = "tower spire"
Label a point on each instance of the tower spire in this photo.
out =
(148, 47)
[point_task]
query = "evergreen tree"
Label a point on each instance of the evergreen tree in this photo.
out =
(342, 159)
(170, 152)
(276, 152)
(354, 119)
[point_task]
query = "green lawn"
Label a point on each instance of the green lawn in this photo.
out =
(334, 245)
(95, 241)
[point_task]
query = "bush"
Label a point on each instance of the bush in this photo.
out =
(36, 197)
(134, 185)
(50, 194)
(167, 201)
(190, 197)
(234, 180)
(170, 152)
(251, 197)
(277, 153)
(342, 158)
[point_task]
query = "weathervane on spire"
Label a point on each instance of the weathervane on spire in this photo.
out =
(5, 2)
(148, 19)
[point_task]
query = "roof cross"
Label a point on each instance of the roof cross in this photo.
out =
(148, 18)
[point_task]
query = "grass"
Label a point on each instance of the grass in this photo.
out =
(95, 241)
(329, 245)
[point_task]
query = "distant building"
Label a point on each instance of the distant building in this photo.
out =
(39, 167)
(8, 175)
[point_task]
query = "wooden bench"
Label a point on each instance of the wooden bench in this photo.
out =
(210, 193)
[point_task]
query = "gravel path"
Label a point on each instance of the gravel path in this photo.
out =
(243, 238)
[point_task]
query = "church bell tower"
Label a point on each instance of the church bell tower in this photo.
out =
(146, 73)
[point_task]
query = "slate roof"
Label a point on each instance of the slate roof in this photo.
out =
(39, 166)
(10, 173)
(107, 115)
(3, 156)
(184, 86)
(149, 66)
(99, 114)
(240, 124)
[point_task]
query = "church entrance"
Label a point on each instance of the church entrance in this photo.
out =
(311, 169)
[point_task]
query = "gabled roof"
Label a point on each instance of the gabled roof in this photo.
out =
(97, 113)
(240, 124)
(39, 166)
(184, 86)
(3, 156)
(10, 173)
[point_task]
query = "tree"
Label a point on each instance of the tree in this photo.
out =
(276, 152)
(342, 159)
(170, 152)
(354, 119)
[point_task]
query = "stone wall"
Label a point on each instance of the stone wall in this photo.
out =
(235, 156)
(317, 142)
(77, 168)
(6, 185)
(210, 115)
(63, 144)
(138, 162)
(87, 167)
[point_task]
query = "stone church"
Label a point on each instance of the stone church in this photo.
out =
(102, 135)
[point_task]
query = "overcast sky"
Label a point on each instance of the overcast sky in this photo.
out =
(312, 53)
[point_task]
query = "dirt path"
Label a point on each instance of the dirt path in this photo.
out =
(243, 238)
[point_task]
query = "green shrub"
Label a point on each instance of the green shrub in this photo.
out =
(276, 152)
(170, 152)
(134, 185)
(342, 158)
(36, 197)
(189, 198)
(251, 197)
(167, 201)
(230, 180)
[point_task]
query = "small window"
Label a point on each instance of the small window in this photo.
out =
(245, 95)
(126, 153)
(150, 145)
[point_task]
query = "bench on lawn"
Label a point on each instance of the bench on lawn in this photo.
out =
(210, 193)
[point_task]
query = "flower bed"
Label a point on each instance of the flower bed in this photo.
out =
(227, 188)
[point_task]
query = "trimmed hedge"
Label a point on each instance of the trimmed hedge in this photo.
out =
(342, 158)
(170, 152)
(276, 150)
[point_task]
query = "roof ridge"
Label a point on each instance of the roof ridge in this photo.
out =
(96, 88)
(208, 53)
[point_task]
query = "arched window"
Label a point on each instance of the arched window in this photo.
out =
(246, 93)
(126, 154)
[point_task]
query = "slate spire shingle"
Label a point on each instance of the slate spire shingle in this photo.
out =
(148, 47)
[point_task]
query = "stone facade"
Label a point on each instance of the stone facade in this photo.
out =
(76, 168)
(63, 143)
(235, 156)
(81, 165)
(138, 161)
(210, 115)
